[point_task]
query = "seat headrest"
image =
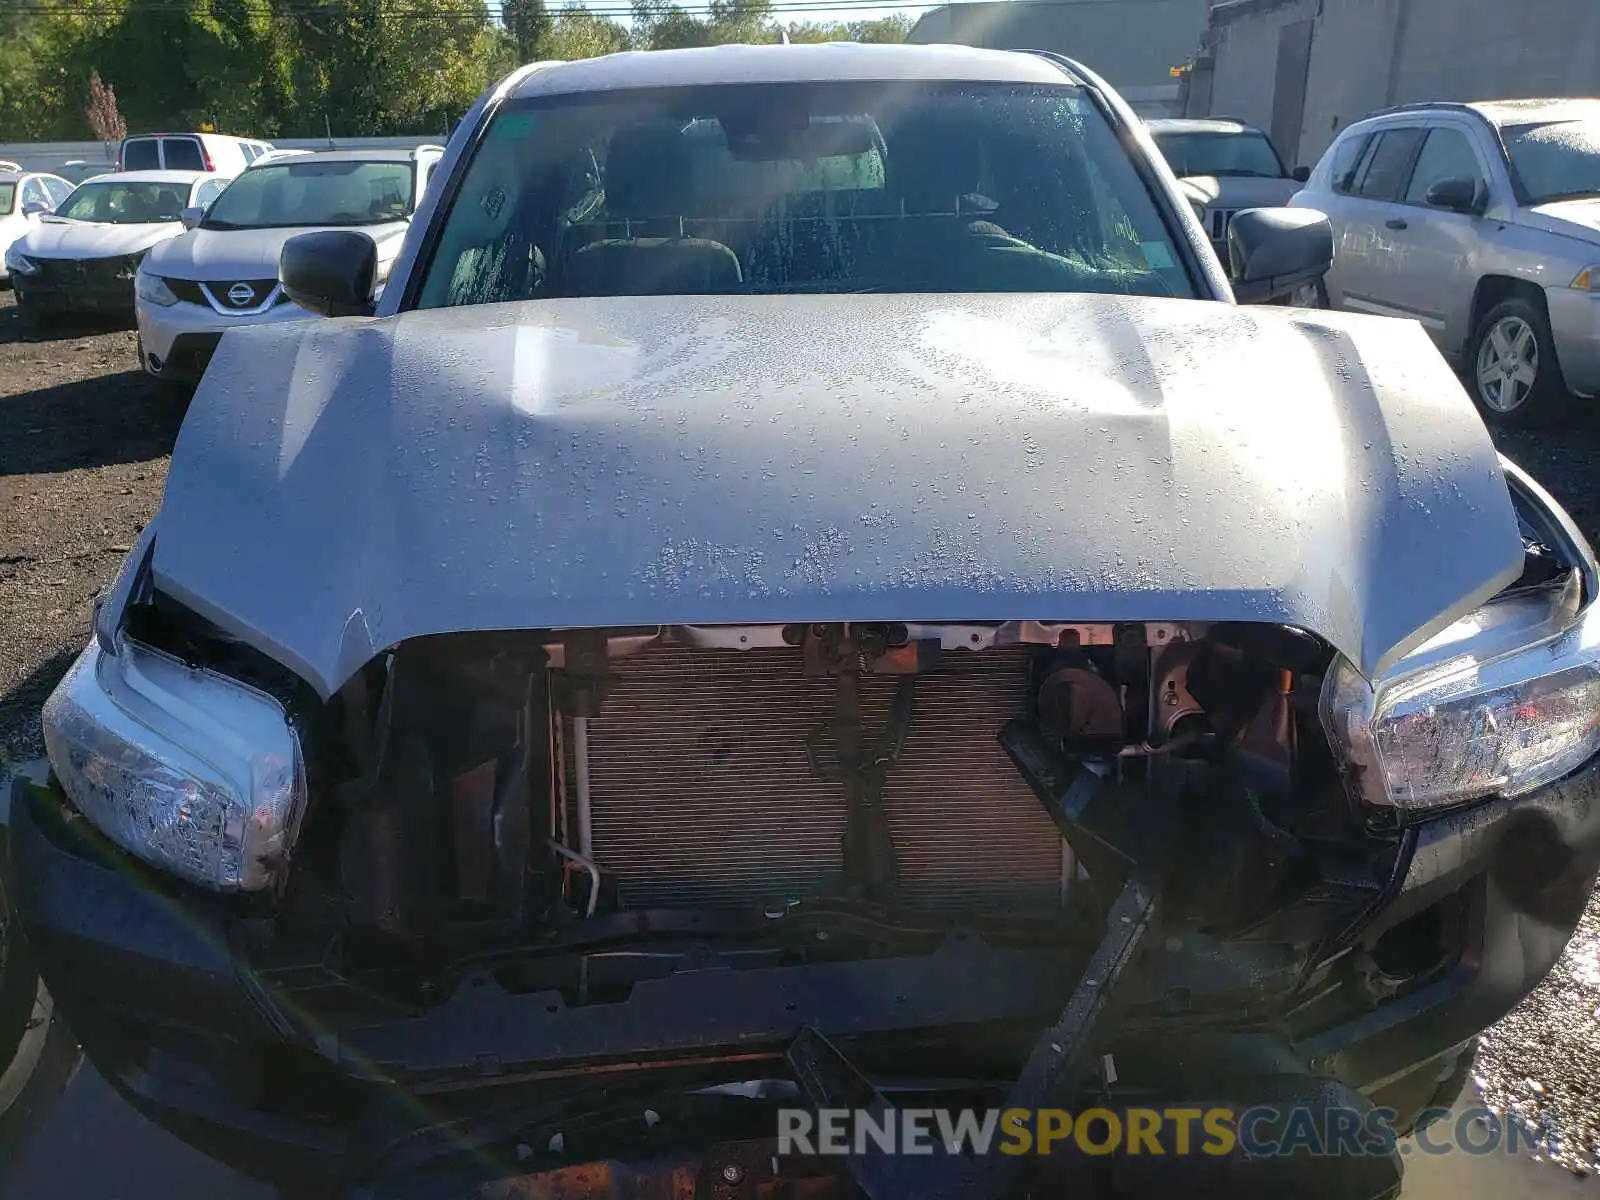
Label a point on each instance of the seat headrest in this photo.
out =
(648, 171)
(932, 161)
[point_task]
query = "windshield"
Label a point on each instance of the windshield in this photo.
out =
(801, 188)
(1555, 160)
(1220, 154)
(307, 192)
(8, 197)
(125, 203)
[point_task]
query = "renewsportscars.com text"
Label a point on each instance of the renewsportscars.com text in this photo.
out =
(1261, 1131)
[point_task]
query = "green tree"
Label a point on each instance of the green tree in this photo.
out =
(881, 29)
(528, 22)
(578, 33)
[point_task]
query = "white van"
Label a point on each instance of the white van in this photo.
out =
(214, 152)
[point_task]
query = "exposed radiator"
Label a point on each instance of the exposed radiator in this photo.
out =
(702, 793)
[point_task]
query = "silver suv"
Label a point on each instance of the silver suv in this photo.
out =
(1481, 221)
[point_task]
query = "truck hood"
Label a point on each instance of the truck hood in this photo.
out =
(220, 255)
(340, 486)
(56, 238)
(1239, 191)
(1571, 218)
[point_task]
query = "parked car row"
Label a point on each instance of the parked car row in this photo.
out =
(1481, 221)
(82, 255)
(190, 254)
(223, 273)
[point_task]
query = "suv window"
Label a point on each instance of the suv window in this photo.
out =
(209, 191)
(182, 154)
(141, 154)
(1347, 157)
(59, 189)
(817, 187)
(33, 193)
(1389, 164)
(1447, 154)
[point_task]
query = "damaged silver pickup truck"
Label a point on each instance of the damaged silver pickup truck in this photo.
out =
(808, 591)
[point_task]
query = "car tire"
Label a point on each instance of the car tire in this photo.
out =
(1511, 367)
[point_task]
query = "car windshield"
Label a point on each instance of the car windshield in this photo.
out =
(8, 197)
(1557, 160)
(801, 188)
(125, 203)
(1220, 154)
(308, 192)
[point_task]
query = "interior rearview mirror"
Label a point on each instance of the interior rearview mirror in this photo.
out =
(1460, 195)
(331, 272)
(1273, 251)
(1301, 174)
(193, 215)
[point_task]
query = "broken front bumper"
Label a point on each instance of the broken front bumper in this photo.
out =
(154, 981)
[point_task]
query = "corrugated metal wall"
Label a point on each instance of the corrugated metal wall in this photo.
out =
(1370, 54)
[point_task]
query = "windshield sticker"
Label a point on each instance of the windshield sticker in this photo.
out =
(493, 201)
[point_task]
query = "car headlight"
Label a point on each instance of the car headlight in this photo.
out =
(1496, 712)
(154, 290)
(18, 263)
(1588, 279)
(191, 771)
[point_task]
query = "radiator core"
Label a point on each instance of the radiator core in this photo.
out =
(702, 794)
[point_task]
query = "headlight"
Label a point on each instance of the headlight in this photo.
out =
(1485, 718)
(191, 771)
(154, 290)
(1588, 279)
(18, 263)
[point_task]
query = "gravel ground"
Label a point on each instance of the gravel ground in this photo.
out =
(84, 439)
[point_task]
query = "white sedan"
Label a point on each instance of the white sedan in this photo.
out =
(85, 254)
(25, 196)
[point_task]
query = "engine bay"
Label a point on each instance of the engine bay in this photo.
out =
(578, 811)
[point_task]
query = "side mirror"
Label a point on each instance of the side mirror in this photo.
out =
(1459, 195)
(35, 208)
(193, 215)
(1273, 251)
(331, 272)
(1301, 175)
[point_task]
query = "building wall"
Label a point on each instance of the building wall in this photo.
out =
(1370, 54)
(1132, 43)
(1353, 58)
(1246, 54)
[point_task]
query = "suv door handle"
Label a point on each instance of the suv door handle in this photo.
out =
(1397, 223)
